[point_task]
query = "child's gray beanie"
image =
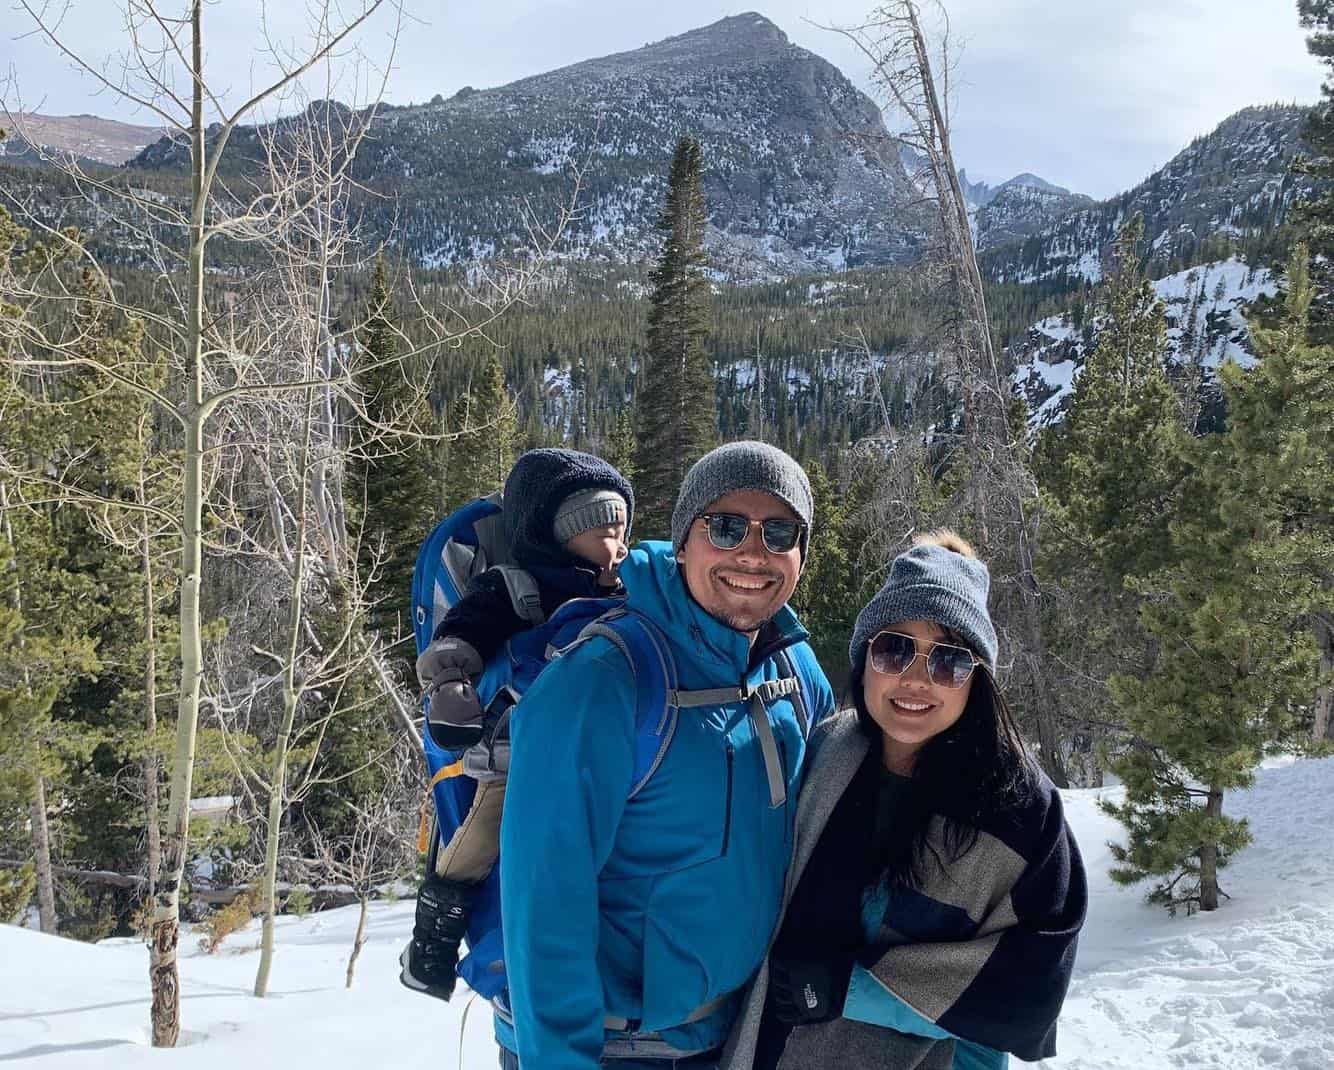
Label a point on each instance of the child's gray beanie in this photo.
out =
(932, 583)
(742, 466)
(593, 507)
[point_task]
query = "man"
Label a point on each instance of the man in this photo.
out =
(633, 923)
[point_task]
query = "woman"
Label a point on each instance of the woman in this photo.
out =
(936, 892)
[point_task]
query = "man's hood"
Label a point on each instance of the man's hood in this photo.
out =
(708, 652)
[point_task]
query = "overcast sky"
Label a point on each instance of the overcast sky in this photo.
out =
(1090, 94)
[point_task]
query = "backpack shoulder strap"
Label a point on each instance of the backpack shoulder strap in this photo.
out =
(524, 595)
(792, 667)
(651, 663)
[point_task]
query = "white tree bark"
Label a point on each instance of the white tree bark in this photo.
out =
(358, 940)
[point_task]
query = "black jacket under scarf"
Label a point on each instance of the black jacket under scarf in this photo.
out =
(538, 483)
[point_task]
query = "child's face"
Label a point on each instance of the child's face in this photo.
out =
(604, 548)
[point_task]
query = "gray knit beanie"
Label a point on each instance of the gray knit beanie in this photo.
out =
(932, 583)
(595, 507)
(742, 466)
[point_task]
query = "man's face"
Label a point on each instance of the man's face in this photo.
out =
(745, 586)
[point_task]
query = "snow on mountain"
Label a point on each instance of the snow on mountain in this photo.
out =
(1019, 209)
(1205, 326)
(800, 174)
(1236, 181)
(1247, 987)
(1016, 209)
(979, 194)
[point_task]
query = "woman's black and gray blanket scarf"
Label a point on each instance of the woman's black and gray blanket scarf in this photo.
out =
(984, 948)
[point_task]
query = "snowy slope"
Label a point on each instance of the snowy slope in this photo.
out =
(1204, 307)
(1250, 986)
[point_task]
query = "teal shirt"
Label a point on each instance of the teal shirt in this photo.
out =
(870, 1001)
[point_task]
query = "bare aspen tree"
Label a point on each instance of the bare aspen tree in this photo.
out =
(379, 849)
(224, 353)
(910, 70)
(164, 73)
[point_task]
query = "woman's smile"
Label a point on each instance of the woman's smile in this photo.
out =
(911, 707)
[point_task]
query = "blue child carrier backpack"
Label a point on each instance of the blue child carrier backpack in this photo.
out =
(463, 545)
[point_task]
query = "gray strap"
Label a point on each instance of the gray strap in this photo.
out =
(768, 691)
(697, 1015)
(773, 766)
(524, 595)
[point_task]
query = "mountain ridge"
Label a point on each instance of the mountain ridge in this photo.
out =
(1235, 182)
(90, 137)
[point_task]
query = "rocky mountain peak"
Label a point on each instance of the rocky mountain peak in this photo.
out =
(799, 172)
(734, 43)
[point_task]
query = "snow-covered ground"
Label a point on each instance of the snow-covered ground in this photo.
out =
(1249, 986)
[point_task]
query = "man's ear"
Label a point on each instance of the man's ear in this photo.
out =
(681, 556)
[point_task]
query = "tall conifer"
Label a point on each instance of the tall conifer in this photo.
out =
(675, 405)
(1109, 477)
(1118, 464)
(1250, 554)
(1315, 218)
(485, 441)
(396, 474)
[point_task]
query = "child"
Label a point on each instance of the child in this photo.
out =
(567, 518)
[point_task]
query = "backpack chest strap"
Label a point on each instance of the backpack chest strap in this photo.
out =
(766, 691)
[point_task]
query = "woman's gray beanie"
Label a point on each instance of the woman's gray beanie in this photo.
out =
(742, 466)
(932, 583)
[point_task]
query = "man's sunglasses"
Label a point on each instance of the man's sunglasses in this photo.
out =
(893, 653)
(727, 531)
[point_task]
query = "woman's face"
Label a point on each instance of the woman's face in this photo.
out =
(908, 707)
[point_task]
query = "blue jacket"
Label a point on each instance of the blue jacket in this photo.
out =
(652, 908)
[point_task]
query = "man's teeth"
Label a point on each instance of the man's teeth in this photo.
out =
(911, 707)
(746, 584)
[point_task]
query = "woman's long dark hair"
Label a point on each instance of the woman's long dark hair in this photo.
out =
(968, 775)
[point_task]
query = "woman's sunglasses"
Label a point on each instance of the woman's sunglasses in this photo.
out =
(893, 653)
(727, 531)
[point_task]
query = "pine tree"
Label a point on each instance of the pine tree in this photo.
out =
(1281, 415)
(675, 401)
(394, 475)
(1232, 666)
(112, 452)
(1109, 478)
(619, 446)
(1117, 464)
(831, 587)
(485, 438)
(1315, 218)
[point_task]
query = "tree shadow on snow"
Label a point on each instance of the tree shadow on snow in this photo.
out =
(58, 1049)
